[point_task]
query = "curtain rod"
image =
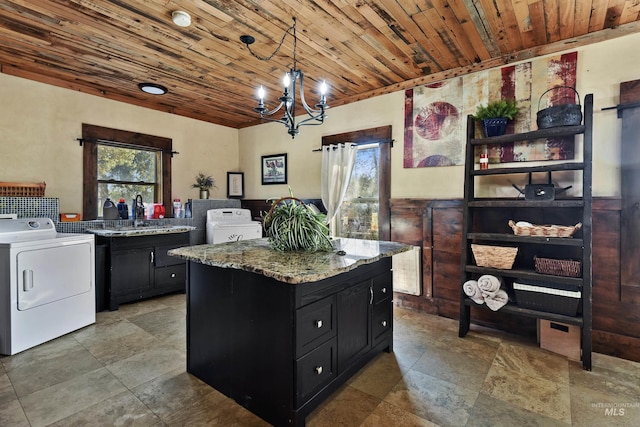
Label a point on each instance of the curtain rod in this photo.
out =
(391, 141)
(121, 144)
(621, 107)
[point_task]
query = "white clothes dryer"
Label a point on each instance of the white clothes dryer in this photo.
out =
(47, 283)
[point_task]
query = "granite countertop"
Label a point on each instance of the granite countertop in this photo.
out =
(140, 231)
(256, 256)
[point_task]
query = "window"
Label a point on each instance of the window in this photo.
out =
(372, 141)
(120, 164)
(358, 214)
(125, 172)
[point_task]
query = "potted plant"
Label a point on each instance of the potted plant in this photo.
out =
(495, 116)
(204, 183)
(291, 225)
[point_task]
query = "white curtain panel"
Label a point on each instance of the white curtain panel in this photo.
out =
(337, 165)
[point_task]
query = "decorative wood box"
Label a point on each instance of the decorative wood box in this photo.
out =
(560, 338)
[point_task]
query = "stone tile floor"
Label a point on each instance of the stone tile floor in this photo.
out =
(129, 370)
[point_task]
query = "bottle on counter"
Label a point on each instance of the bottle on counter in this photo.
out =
(109, 210)
(177, 209)
(123, 209)
(187, 210)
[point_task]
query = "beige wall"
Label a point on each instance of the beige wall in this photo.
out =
(601, 68)
(40, 124)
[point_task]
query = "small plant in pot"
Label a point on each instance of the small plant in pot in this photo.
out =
(204, 183)
(495, 116)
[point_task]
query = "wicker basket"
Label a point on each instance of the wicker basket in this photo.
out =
(22, 189)
(494, 256)
(544, 230)
(558, 267)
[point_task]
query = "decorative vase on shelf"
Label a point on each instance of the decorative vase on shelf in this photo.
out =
(494, 127)
(204, 194)
(495, 115)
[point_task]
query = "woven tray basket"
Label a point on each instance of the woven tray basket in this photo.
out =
(558, 267)
(22, 189)
(544, 230)
(494, 256)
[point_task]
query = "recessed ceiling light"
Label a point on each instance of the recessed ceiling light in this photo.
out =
(153, 88)
(181, 18)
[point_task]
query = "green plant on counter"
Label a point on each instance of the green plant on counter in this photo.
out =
(495, 109)
(204, 182)
(291, 225)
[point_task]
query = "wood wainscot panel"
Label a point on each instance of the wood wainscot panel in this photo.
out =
(435, 226)
(411, 224)
(616, 313)
(606, 257)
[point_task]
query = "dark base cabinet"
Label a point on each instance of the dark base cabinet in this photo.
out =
(280, 349)
(138, 267)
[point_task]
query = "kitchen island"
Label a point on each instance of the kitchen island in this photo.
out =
(279, 332)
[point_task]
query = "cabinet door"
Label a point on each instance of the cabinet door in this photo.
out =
(131, 271)
(354, 320)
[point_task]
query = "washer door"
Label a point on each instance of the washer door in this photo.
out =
(49, 274)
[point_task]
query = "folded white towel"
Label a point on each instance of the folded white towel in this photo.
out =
(498, 300)
(489, 284)
(472, 290)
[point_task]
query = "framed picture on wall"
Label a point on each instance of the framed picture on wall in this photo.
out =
(235, 185)
(274, 169)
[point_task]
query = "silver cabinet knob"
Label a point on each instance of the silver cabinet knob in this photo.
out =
(318, 370)
(173, 274)
(384, 323)
(318, 324)
(384, 290)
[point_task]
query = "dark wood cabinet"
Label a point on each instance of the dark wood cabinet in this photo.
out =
(138, 267)
(281, 349)
(485, 222)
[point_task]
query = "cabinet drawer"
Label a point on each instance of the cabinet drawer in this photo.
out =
(172, 276)
(382, 287)
(315, 323)
(382, 320)
(315, 370)
(163, 260)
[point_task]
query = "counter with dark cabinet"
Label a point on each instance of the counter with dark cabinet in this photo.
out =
(137, 265)
(279, 332)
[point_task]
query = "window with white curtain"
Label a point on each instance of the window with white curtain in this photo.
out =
(358, 214)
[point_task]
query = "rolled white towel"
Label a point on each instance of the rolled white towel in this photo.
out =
(489, 284)
(498, 300)
(472, 290)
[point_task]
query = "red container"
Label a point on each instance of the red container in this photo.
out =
(158, 211)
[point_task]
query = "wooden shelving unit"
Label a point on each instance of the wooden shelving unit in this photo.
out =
(485, 222)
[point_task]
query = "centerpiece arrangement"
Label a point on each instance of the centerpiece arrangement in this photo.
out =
(291, 225)
(204, 183)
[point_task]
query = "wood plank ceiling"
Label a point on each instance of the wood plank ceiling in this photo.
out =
(362, 48)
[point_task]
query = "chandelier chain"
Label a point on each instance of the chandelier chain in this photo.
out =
(284, 36)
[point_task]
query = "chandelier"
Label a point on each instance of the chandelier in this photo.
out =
(293, 79)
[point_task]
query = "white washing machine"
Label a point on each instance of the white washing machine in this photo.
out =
(231, 225)
(47, 283)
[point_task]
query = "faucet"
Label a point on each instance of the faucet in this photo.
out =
(138, 210)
